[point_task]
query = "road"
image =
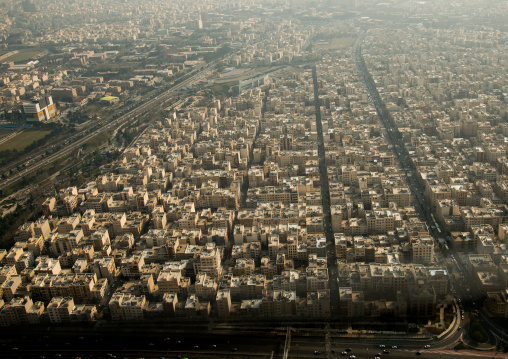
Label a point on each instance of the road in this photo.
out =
(199, 344)
(137, 343)
(467, 296)
(394, 137)
(325, 198)
(197, 75)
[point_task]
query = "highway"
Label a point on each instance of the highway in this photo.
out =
(204, 344)
(194, 76)
(38, 153)
(369, 349)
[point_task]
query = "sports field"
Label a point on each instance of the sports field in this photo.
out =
(23, 140)
(22, 56)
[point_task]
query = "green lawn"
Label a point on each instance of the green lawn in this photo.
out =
(98, 140)
(23, 56)
(23, 140)
(99, 110)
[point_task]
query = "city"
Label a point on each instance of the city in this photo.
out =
(254, 180)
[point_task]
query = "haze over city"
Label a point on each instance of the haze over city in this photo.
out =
(253, 179)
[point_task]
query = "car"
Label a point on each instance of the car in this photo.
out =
(386, 351)
(459, 328)
(348, 349)
(377, 357)
(234, 349)
(343, 353)
(418, 353)
(382, 346)
(394, 347)
(377, 354)
(213, 346)
(316, 352)
(427, 346)
(352, 357)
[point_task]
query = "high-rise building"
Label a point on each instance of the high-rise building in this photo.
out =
(39, 109)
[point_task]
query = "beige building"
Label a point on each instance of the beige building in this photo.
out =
(497, 303)
(47, 265)
(133, 266)
(59, 309)
(169, 304)
(279, 304)
(208, 261)
(423, 249)
(352, 303)
(173, 282)
(223, 300)
(127, 307)
(10, 286)
(381, 221)
(205, 287)
(104, 268)
(20, 311)
(317, 305)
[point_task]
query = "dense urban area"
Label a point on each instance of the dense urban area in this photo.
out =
(273, 179)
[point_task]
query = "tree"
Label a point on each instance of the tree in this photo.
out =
(478, 336)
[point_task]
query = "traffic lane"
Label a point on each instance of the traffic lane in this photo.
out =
(299, 351)
(123, 118)
(307, 345)
(149, 340)
(191, 347)
(176, 343)
(372, 345)
(318, 351)
(146, 354)
(429, 353)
